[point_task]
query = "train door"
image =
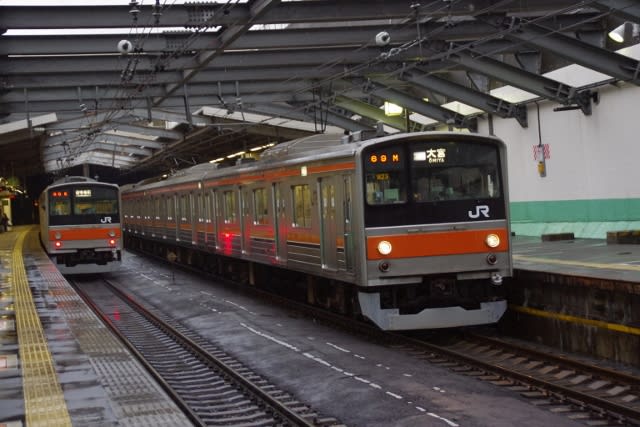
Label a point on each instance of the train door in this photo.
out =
(218, 218)
(209, 221)
(279, 221)
(328, 228)
(346, 220)
(163, 221)
(195, 217)
(172, 202)
(245, 219)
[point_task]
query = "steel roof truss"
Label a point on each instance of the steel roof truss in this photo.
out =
(536, 84)
(419, 106)
(610, 63)
(482, 101)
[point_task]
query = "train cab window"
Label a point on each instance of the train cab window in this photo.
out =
(59, 206)
(230, 207)
(260, 210)
(385, 176)
(301, 205)
(454, 171)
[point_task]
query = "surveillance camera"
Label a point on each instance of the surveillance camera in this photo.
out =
(383, 38)
(125, 47)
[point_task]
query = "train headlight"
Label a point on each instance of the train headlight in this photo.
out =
(384, 247)
(58, 244)
(57, 235)
(492, 240)
(112, 242)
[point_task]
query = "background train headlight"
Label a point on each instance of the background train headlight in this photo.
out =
(492, 240)
(384, 247)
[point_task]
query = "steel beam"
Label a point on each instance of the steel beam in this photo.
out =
(59, 151)
(626, 9)
(477, 99)
(306, 113)
(533, 83)
(370, 111)
(436, 112)
(610, 63)
(225, 40)
(192, 15)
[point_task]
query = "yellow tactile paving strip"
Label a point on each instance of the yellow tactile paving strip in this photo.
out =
(43, 398)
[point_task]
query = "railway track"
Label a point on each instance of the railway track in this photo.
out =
(209, 385)
(584, 392)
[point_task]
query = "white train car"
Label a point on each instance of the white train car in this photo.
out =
(409, 230)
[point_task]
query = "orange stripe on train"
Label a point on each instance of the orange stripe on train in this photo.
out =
(437, 243)
(84, 233)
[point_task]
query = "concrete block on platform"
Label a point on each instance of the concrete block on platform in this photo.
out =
(623, 237)
(552, 237)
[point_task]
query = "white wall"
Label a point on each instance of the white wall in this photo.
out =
(592, 157)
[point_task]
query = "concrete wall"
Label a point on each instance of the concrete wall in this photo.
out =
(592, 182)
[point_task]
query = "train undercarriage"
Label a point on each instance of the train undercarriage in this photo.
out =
(437, 302)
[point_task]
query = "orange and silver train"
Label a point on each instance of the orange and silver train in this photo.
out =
(409, 230)
(80, 225)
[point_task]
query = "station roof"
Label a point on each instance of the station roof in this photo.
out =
(150, 86)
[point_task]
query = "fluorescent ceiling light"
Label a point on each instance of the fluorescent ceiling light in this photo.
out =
(617, 35)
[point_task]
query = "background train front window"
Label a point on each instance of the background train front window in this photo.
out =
(59, 203)
(385, 176)
(95, 200)
(448, 171)
(84, 205)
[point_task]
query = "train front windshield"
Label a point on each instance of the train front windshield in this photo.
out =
(432, 182)
(83, 205)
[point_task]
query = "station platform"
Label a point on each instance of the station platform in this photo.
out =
(60, 366)
(578, 257)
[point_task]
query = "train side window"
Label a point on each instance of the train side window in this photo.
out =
(170, 208)
(301, 205)
(207, 207)
(157, 208)
(230, 214)
(260, 206)
(185, 207)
